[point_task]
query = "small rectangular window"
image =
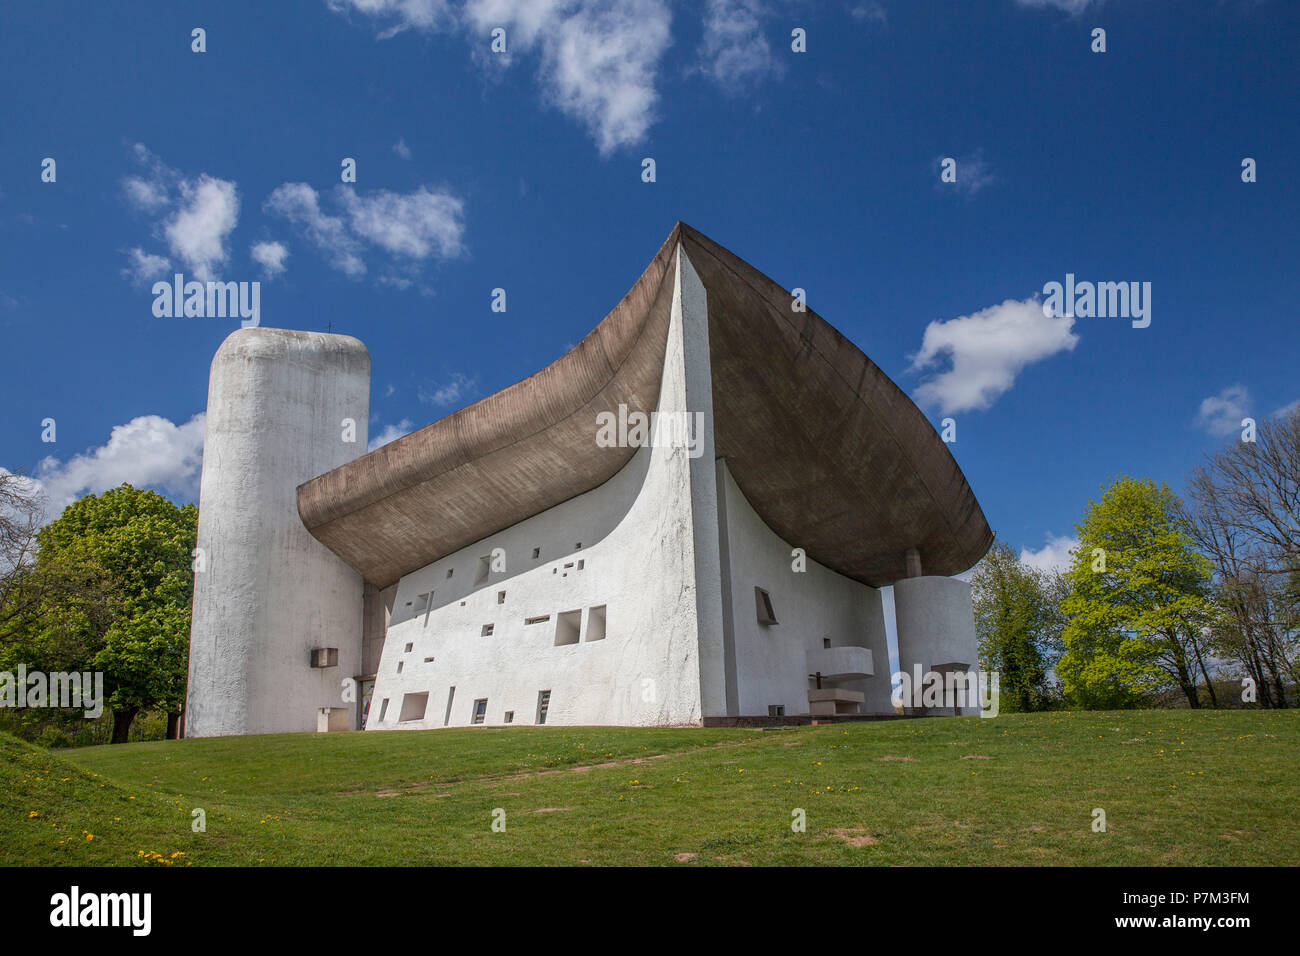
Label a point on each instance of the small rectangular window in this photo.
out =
(537, 552)
(567, 625)
(826, 642)
(383, 709)
(449, 571)
(480, 710)
(510, 716)
(537, 620)
(543, 705)
(400, 665)
(776, 710)
(414, 706)
(484, 569)
(596, 623)
(764, 604)
(487, 630)
(428, 660)
(409, 645)
(501, 597)
(325, 657)
(581, 563)
(451, 695)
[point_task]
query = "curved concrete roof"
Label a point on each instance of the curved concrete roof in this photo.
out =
(829, 452)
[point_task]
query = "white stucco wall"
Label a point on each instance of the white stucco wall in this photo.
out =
(271, 592)
(771, 661)
(641, 552)
(936, 625)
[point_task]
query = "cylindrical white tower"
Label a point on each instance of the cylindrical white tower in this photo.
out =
(936, 630)
(283, 407)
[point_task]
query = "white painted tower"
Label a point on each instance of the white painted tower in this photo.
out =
(283, 407)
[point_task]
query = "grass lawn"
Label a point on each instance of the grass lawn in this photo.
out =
(1178, 788)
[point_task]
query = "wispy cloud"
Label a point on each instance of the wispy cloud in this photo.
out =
(1222, 414)
(270, 256)
(1053, 556)
(734, 51)
(597, 62)
(413, 227)
(194, 215)
(974, 174)
(451, 392)
(390, 433)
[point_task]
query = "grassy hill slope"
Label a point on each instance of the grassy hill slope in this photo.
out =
(1177, 787)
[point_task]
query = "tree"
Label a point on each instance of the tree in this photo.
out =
(1245, 514)
(1139, 600)
(1018, 622)
(132, 549)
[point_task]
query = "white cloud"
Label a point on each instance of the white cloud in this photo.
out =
(144, 267)
(194, 215)
(1069, 6)
(391, 433)
(401, 149)
(449, 393)
(1053, 556)
(300, 204)
(1222, 414)
(147, 452)
(987, 351)
(598, 61)
(735, 52)
(415, 226)
(270, 256)
(398, 15)
(973, 174)
(198, 230)
(871, 11)
(1288, 409)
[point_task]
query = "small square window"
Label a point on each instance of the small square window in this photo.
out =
(776, 710)
(510, 716)
(487, 630)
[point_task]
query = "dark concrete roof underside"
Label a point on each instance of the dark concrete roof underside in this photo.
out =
(829, 452)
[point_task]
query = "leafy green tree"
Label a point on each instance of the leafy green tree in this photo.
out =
(131, 549)
(1018, 622)
(1139, 600)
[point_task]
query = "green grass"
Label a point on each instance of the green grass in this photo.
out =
(1178, 788)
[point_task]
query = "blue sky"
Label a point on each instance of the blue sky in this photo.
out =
(522, 171)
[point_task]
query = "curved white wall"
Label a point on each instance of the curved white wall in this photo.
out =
(648, 548)
(771, 663)
(271, 592)
(936, 625)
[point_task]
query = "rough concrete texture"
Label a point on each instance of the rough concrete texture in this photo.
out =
(830, 452)
(271, 592)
